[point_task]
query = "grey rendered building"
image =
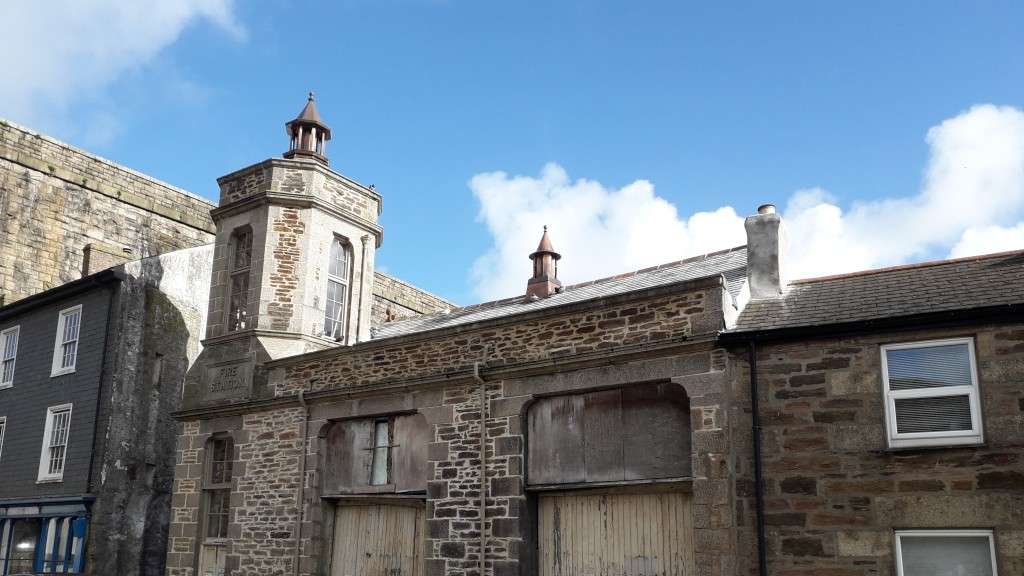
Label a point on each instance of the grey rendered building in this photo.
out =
(90, 373)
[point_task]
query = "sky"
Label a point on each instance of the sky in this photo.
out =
(639, 132)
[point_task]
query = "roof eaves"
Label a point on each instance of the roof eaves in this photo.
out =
(404, 338)
(100, 278)
(977, 315)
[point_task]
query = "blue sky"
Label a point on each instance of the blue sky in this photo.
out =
(713, 106)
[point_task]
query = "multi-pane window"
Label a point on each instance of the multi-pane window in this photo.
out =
(218, 487)
(65, 348)
(381, 452)
(3, 428)
(945, 553)
(931, 391)
(55, 443)
(241, 262)
(8, 354)
(337, 290)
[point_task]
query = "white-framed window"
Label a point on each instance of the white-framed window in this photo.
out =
(3, 428)
(55, 443)
(945, 553)
(337, 290)
(65, 346)
(8, 354)
(931, 393)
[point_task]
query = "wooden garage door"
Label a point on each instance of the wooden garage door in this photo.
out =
(616, 535)
(377, 540)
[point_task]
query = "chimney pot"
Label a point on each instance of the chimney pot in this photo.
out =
(766, 209)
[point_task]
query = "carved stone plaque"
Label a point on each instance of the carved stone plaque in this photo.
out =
(229, 380)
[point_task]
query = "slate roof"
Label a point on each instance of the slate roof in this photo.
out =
(941, 286)
(730, 263)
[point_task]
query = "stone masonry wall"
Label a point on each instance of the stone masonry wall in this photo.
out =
(602, 328)
(266, 471)
(267, 441)
(264, 510)
(402, 299)
(299, 177)
(55, 199)
(835, 493)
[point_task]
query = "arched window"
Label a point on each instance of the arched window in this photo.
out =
(240, 265)
(337, 290)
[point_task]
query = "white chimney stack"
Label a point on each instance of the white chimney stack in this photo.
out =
(766, 252)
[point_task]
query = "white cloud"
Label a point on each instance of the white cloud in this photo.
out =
(600, 231)
(61, 52)
(987, 239)
(974, 178)
(970, 202)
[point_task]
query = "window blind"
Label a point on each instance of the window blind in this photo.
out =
(929, 367)
(932, 393)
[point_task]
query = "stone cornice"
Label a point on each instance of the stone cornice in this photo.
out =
(259, 333)
(606, 357)
(308, 165)
(297, 201)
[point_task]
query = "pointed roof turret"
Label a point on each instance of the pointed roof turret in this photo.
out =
(309, 112)
(308, 134)
(545, 246)
(545, 270)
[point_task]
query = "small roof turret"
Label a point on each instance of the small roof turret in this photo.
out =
(308, 134)
(545, 270)
(545, 246)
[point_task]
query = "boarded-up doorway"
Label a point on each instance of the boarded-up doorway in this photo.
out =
(604, 534)
(377, 540)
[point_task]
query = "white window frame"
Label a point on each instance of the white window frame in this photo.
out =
(3, 430)
(345, 281)
(58, 352)
(941, 438)
(44, 453)
(938, 533)
(4, 335)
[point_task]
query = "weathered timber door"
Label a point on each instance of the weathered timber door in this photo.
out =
(377, 540)
(616, 534)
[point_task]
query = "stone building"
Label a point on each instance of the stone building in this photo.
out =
(72, 228)
(67, 213)
(601, 428)
(704, 417)
(891, 407)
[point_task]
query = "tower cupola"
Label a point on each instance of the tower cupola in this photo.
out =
(545, 270)
(308, 134)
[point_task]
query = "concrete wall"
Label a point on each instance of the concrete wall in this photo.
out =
(55, 199)
(835, 493)
(158, 324)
